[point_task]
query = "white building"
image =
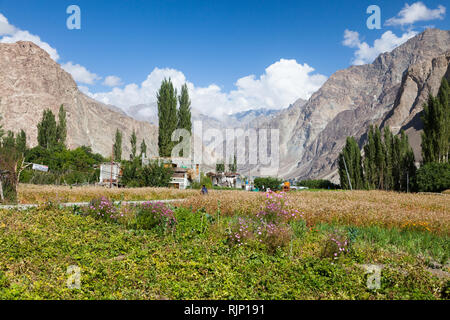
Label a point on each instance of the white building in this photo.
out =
(110, 174)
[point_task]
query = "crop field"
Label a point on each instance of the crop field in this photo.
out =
(226, 245)
(30, 194)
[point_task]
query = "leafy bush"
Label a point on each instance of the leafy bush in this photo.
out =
(241, 232)
(103, 208)
(274, 236)
(204, 180)
(268, 183)
(191, 224)
(433, 177)
(318, 184)
(155, 216)
(336, 244)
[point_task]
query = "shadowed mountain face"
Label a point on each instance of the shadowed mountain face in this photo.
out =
(30, 82)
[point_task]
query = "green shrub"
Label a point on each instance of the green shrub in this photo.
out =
(191, 224)
(155, 216)
(318, 184)
(268, 183)
(433, 177)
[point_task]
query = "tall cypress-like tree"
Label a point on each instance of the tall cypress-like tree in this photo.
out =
(133, 141)
(47, 137)
(61, 128)
(184, 113)
(167, 117)
(436, 126)
(370, 170)
(21, 142)
(379, 158)
(117, 148)
(389, 158)
(350, 166)
(143, 148)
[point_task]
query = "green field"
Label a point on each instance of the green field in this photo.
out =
(124, 258)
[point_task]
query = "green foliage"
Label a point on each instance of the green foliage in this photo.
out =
(267, 183)
(204, 181)
(155, 174)
(155, 216)
(350, 166)
(184, 113)
(65, 166)
(143, 148)
(117, 147)
(167, 117)
(220, 167)
(118, 262)
(133, 141)
(436, 126)
(433, 177)
(61, 128)
(232, 167)
(318, 184)
(47, 130)
(388, 163)
(21, 142)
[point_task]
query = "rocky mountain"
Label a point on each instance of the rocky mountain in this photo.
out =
(30, 82)
(389, 91)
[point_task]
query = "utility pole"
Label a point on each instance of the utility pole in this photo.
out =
(112, 159)
(348, 177)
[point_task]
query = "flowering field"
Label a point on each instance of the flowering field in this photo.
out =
(359, 208)
(227, 245)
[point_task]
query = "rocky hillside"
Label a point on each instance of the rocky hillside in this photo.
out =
(391, 91)
(30, 81)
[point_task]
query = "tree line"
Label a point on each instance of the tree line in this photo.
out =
(388, 162)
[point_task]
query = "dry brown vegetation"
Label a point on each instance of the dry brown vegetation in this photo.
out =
(39, 194)
(389, 209)
(359, 208)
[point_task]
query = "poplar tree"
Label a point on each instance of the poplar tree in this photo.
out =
(167, 117)
(369, 160)
(143, 148)
(21, 142)
(61, 128)
(184, 113)
(350, 161)
(47, 137)
(436, 126)
(117, 148)
(133, 141)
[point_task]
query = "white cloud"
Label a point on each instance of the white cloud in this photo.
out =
(112, 81)
(80, 74)
(282, 83)
(11, 34)
(5, 27)
(366, 53)
(414, 13)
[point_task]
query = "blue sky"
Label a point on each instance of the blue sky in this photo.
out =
(212, 42)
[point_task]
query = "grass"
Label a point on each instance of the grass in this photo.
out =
(119, 260)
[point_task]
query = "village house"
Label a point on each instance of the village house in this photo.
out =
(185, 170)
(228, 180)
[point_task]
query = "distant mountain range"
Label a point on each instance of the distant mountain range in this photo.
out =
(389, 91)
